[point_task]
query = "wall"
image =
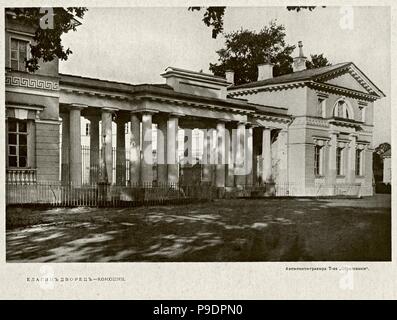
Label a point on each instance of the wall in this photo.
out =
(293, 99)
(24, 32)
(41, 89)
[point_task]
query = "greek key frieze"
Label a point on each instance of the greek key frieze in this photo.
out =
(31, 83)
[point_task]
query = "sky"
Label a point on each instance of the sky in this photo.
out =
(136, 45)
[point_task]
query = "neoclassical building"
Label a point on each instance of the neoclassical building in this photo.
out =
(307, 133)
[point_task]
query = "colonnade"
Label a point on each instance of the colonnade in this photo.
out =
(234, 158)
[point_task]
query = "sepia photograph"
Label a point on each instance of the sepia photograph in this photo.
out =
(197, 134)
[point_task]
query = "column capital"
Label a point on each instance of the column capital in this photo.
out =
(77, 106)
(175, 115)
(109, 109)
(149, 111)
(224, 120)
(144, 111)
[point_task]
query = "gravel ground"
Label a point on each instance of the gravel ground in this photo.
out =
(222, 230)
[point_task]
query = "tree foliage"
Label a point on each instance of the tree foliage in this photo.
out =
(213, 16)
(245, 49)
(382, 148)
(47, 43)
(377, 160)
(317, 61)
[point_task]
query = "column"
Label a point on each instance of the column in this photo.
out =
(106, 162)
(188, 146)
(65, 148)
(94, 148)
(351, 174)
(172, 149)
(162, 152)
(75, 144)
(31, 142)
(206, 175)
(239, 167)
(147, 149)
(229, 156)
(120, 152)
(282, 156)
(266, 155)
(331, 174)
(221, 155)
(249, 156)
(135, 150)
(367, 153)
(256, 175)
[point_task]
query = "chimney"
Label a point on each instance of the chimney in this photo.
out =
(265, 71)
(300, 61)
(230, 76)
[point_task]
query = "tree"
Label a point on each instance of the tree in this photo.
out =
(47, 41)
(382, 148)
(246, 49)
(213, 16)
(317, 61)
(377, 160)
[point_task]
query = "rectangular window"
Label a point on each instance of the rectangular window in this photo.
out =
(18, 55)
(317, 160)
(17, 143)
(321, 108)
(339, 161)
(358, 162)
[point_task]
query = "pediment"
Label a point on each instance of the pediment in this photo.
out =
(347, 81)
(351, 78)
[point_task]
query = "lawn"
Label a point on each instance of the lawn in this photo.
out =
(222, 230)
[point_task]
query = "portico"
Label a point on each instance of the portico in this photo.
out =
(228, 125)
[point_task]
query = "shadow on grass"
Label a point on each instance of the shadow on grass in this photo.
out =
(224, 230)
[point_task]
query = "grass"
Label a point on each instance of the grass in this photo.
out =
(223, 230)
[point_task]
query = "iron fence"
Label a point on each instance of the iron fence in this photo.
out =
(60, 194)
(57, 194)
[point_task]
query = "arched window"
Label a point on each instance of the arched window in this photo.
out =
(342, 110)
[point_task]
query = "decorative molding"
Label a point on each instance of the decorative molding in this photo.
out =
(31, 83)
(34, 92)
(272, 118)
(26, 107)
(362, 146)
(316, 122)
(311, 121)
(272, 87)
(341, 90)
(29, 34)
(321, 141)
(356, 74)
(362, 103)
(56, 122)
(323, 95)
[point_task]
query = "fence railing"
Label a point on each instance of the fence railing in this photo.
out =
(57, 194)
